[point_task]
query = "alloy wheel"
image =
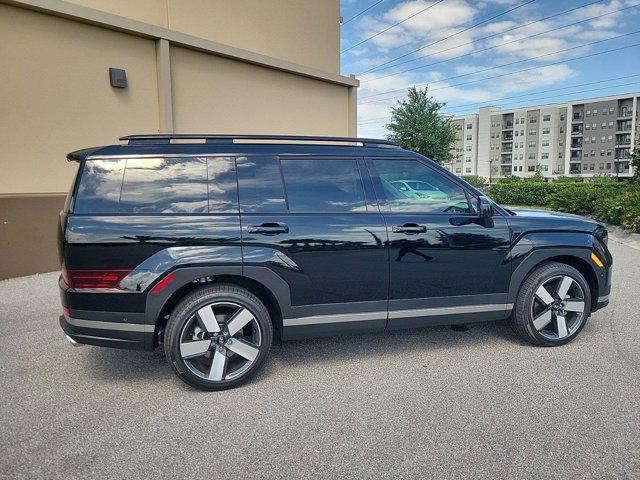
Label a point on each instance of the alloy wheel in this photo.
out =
(558, 307)
(220, 341)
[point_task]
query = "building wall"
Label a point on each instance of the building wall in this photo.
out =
(301, 31)
(225, 96)
(55, 88)
(56, 96)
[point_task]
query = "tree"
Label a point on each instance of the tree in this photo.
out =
(635, 162)
(416, 124)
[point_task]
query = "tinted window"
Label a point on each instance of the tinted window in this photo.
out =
(323, 185)
(99, 189)
(158, 185)
(164, 185)
(436, 193)
(260, 185)
(223, 185)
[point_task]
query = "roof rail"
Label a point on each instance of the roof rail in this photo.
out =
(166, 138)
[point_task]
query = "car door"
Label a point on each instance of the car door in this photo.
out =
(323, 234)
(445, 263)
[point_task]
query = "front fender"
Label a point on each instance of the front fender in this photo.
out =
(532, 249)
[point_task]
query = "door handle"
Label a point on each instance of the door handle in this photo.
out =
(274, 228)
(409, 228)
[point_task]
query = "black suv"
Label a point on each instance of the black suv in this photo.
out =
(213, 245)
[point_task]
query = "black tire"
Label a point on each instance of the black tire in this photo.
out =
(521, 319)
(184, 312)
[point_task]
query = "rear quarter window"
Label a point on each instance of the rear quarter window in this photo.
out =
(189, 185)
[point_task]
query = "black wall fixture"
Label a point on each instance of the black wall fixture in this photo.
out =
(118, 77)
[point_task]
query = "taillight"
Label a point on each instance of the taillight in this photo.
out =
(79, 279)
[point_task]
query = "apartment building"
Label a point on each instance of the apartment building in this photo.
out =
(80, 73)
(583, 138)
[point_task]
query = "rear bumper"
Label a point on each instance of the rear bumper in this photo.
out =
(108, 334)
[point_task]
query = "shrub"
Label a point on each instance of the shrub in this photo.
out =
(510, 192)
(603, 198)
(582, 198)
(475, 180)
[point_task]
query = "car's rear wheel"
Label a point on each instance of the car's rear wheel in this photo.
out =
(552, 306)
(218, 337)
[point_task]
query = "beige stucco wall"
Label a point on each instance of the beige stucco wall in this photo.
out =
(55, 95)
(306, 32)
(214, 94)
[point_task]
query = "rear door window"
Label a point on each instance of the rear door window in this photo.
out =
(158, 186)
(260, 184)
(323, 185)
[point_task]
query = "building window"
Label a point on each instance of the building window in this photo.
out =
(531, 168)
(545, 156)
(562, 117)
(532, 144)
(469, 126)
(595, 112)
(532, 156)
(533, 120)
(468, 159)
(467, 170)
(546, 130)
(468, 148)
(608, 166)
(587, 126)
(588, 113)
(546, 118)
(608, 153)
(544, 168)
(532, 132)
(545, 143)
(610, 124)
(560, 155)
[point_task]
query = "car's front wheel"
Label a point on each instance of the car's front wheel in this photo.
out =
(218, 337)
(552, 306)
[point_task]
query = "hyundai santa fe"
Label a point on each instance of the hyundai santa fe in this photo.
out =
(214, 246)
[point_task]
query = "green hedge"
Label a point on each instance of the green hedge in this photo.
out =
(613, 202)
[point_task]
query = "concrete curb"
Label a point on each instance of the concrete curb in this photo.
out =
(625, 237)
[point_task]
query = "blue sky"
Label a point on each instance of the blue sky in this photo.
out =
(427, 57)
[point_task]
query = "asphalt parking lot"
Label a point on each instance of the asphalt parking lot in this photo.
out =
(433, 403)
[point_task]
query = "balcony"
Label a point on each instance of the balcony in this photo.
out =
(623, 140)
(576, 143)
(625, 112)
(576, 154)
(508, 125)
(577, 116)
(575, 168)
(576, 130)
(507, 148)
(506, 159)
(505, 171)
(507, 137)
(623, 126)
(623, 154)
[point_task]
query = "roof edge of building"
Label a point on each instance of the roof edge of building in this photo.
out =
(111, 21)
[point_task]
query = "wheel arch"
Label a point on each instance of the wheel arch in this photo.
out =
(270, 288)
(575, 257)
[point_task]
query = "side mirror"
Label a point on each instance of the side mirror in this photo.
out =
(485, 211)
